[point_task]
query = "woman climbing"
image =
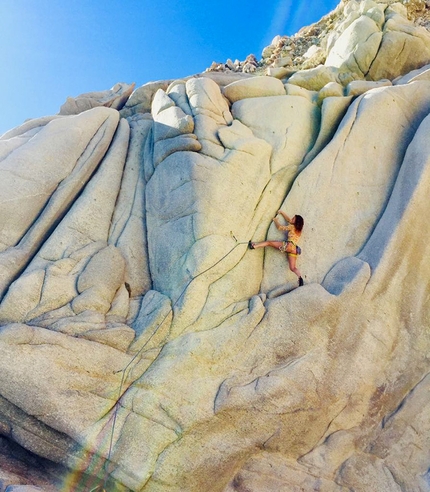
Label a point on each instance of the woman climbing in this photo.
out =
(289, 246)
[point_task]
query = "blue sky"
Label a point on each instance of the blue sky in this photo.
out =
(52, 49)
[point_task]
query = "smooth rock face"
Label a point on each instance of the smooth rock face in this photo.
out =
(315, 79)
(358, 87)
(144, 347)
(377, 41)
(371, 159)
(114, 98)
(140, 100)
(255, 87)
(409, 46)
(356, 48)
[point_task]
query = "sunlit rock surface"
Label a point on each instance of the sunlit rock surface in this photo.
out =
(146, 348)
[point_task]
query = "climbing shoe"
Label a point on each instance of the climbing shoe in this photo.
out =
(250, 245)
(300, 281)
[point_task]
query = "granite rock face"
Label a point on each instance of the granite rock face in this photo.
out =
(146, 348)
(363, 39)
(113, 98)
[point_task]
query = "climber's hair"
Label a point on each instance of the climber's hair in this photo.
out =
(299, 223)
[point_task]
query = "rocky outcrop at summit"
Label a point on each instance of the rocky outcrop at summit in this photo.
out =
(146, 348)
(364, 39)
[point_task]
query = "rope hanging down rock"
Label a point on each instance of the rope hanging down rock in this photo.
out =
(127, 368)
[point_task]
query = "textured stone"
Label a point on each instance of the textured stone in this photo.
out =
(118, 337)
(27, 129)
(314, 79)
(210, 110)
(64, 155)
(99, 281)
(282, 121)
(254, 87)
(160, 102)
(172, 122)
(205, 98)
(63, 397)
(332, 89)
(178, 93)
(357, 87)
(269, 471)
(408, 45)
(419, 74)
(140, 100)
(152, 324)
(380, 43)
(333, 109)
(138, 328)
(278, 72)
(114, 98)
(399, 108)
(128, 227)
(223, 78)
(283, 61)
(295, 90)
(51, 164)
(357, 47)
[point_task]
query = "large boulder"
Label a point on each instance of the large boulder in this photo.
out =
(376, 41)
(114, 98)
(357, 47)
(253, 87)
(403, 42)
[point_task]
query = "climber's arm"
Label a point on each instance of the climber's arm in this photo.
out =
(284, 215)
(278, 225)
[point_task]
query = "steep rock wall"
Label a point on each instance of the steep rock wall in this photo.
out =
(145, 347)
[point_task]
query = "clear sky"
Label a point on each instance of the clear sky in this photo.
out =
(51, 49)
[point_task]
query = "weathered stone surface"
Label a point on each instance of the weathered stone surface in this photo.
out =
(296, 90)
(368, 44)
(26, 130)
(408, 45)
(64, 155)
(254, 87)
(117, 336)
(314, 79)
(278, 72)
(141, 99)
(51, 164)
(399, 108)
(152, 324)
(128, 227)
(333, 109)
(210, 110)
(357, 47)
(138, 331)
(269, 471)
(357, 87)
(98, 282)
(56, 390)
(419, 74)
(114, 98)
(332, 89)
(282, 121)
(223, 78)
(178, 92)
(53, 274)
